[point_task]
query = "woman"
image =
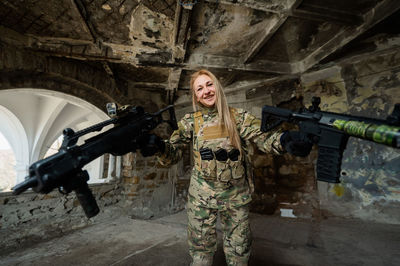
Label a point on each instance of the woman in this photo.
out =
(219, 183)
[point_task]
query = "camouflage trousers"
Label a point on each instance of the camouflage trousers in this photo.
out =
(202, 236)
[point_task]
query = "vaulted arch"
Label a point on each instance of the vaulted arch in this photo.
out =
(32, 119)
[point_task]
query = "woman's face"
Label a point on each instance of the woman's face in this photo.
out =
(204, 90)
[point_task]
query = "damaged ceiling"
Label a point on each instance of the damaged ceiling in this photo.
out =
(157, 44)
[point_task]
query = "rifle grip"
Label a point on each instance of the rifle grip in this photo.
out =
(84, 194)
(87, 200)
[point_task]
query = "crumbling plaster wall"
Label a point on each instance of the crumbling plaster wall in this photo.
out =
(370, 178)
(23, 69)
(281, 182)
(20, 68)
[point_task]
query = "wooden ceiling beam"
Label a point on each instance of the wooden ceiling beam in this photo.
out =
(234, 63)
(272, 6)
(80, 8)
(320, 13)
(382, 10)
(181, 31)
(269, 30)
(295, 8)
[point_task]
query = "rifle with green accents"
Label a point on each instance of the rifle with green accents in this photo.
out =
(330, 131)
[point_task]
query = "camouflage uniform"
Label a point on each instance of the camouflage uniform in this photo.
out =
(218, 187)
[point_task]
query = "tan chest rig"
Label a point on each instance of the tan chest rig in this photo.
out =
(215, 139)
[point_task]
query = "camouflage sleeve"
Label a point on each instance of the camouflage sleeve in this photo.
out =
(249, 129)
(177, 141)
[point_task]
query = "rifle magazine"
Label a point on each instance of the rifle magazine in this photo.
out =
(329, 164)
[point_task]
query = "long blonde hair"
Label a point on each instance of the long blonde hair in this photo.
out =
(224, 115)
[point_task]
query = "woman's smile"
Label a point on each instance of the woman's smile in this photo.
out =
(205, 90)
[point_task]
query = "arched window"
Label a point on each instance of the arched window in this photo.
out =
(7, 165)
(53, 149)
(32, 121)
(14, 132)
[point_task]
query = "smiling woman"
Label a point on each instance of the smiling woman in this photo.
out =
(204, 90)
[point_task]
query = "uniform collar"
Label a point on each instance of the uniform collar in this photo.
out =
(207, 110)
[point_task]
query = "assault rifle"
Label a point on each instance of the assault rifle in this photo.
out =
(63, 170)
(330, 131)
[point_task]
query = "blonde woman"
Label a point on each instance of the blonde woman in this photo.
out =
(220, 184)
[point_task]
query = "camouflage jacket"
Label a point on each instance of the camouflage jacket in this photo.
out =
(216, 184)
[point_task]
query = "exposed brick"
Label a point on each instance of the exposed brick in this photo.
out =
(131, 180)
(134, 188)
(140, 163)
(132, 195)
(151, 176)
(151, 186)
(126, 173)
(127, 159)
(136, 180)
(151, 162)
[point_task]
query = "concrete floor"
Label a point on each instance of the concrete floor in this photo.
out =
(277, 241)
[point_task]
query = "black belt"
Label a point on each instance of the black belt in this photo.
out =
(220, 155)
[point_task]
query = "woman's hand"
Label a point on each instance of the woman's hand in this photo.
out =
(296, 143)
(150, 144)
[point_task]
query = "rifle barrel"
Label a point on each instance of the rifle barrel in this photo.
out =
(21, 187)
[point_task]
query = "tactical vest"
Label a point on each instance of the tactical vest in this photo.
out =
(215, 136)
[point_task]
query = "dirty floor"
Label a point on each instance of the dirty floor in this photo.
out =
(276, 241)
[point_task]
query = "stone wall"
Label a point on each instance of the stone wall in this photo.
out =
(147, 188)
(31, 217)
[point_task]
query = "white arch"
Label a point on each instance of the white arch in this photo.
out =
(40, 145)
(32, 119)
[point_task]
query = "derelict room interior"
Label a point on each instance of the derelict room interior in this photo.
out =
(62, 61)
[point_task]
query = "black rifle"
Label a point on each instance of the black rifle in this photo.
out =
(330, 131)
(63, 170)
